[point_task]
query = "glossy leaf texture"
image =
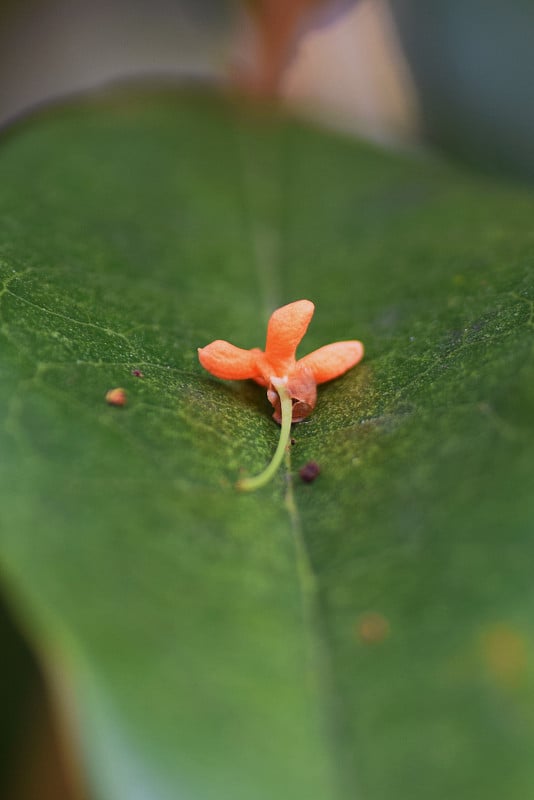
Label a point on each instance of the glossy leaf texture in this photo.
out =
(368, 635)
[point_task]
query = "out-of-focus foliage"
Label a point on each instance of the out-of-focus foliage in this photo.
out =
(473, 63)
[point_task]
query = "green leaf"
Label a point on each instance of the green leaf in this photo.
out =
(369, 635)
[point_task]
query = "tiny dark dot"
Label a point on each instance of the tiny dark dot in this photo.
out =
(293, 441)
(309, 471)
(137, 373)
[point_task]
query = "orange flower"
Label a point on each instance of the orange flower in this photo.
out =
(277, 364)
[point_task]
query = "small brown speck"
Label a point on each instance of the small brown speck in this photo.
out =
(116, 397)
(309, 471)
(372, 627)
(137, 373)
(293, 441)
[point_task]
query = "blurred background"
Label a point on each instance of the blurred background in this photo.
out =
(340, 60)
(428, 76)
(456, 76)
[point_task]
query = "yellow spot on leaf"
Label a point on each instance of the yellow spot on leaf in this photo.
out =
(504, 651)
(372, 627)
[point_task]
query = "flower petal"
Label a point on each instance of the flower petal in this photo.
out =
(224, 360)
(286, 328)
(332, 360)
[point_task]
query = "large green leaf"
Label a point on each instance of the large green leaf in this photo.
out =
(223, 645)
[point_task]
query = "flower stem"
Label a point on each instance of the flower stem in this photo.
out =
(250, 484)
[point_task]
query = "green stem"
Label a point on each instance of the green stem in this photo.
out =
(250, 484)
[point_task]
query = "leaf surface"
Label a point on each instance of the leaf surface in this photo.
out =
(368, 635)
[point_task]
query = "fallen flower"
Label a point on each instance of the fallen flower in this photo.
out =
(285, 330)
(291, 384)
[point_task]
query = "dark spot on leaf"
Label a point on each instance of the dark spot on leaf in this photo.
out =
(137, 373)
(309, 471)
